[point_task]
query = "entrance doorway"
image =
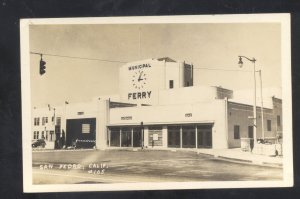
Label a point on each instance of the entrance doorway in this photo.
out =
(126, 137)
(82, 130)
(137, 137)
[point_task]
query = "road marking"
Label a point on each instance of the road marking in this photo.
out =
(83, 177)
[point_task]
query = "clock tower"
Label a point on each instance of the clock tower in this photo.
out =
(141, 81)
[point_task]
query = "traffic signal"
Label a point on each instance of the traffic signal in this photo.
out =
(42, 67)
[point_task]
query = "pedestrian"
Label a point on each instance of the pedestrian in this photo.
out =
(251, 144)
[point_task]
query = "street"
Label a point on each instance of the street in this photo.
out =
(116, 166)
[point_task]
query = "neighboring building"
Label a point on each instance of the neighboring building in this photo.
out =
(159, 107)
(45, 122)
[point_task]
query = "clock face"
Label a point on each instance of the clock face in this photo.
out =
(139, 79)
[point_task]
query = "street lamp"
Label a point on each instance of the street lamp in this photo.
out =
(240, 63)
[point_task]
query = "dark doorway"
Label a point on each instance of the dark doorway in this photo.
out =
(137, 137)
(82, 130)
(126, 137)
(174, 136)
(204, 136)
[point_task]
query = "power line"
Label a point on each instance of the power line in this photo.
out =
(234, 70)
(116, 61)
(73, 57)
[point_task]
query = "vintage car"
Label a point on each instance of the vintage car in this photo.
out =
(38, 143)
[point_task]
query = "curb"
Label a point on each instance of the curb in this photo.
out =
(243, 161)
(252, 162)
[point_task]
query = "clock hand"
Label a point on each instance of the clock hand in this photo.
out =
(139, 79)
(141, 74)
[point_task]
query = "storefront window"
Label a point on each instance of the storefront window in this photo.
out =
(174, 136)
(188, 136)
(204, 136)
(126, 137)
(115, 137)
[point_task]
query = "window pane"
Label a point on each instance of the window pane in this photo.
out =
(171, 84)
(236, 132)
(269, 125)
(85, 128)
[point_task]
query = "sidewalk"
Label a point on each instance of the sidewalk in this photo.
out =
(237, 155)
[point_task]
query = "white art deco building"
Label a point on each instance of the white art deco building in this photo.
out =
(158, 106)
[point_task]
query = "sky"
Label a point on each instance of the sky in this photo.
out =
(206, 46)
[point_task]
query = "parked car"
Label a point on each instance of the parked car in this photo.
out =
(38, 143)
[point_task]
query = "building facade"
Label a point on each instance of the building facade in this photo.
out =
(159, 107)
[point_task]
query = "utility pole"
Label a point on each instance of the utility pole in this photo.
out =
(262, 107)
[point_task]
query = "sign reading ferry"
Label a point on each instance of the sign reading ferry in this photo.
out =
(139, 95)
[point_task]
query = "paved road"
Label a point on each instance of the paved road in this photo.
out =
(140, 166)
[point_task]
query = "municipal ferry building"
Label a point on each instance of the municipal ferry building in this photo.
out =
(158, 107)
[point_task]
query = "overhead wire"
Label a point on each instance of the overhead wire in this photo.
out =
(73, 57)
(123, 62)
